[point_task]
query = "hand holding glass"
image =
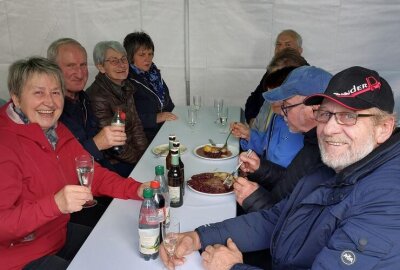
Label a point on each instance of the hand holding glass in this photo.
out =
(84, 165)
(170, 234)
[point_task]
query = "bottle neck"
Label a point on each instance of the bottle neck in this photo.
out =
(175, 160)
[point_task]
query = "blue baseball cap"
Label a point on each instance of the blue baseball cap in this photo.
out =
(302, 81)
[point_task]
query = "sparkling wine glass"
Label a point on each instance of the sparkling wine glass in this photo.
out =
(84, 165)
(223, 119)
(170, 234)
(192, 116)
(197, 102)
(218, 105)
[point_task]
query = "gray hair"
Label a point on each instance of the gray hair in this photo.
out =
(294, 34)
(52, 51)
(99, 51)
(20, 71)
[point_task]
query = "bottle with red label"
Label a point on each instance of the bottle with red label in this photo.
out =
(118, 120)
(149, 227)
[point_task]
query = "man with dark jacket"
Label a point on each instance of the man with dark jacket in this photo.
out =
(345, 215)
(269, 182)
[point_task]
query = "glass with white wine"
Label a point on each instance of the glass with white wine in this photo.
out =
(84, 165)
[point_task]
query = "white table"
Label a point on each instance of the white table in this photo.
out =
(113, 243)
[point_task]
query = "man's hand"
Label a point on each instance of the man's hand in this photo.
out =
(251, 163)
(186, 244)
(165, 116)
(243, 188)
(110, 136)
(71, 198)
(219, 257)
(240, 130)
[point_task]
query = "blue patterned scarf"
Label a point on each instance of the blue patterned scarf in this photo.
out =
(153, 78)
(50, 134)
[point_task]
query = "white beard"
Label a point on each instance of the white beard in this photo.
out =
(338, 163)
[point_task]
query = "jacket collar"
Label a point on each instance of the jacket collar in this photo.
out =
(380, 155)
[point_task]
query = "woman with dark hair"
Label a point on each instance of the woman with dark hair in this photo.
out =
(152, 98)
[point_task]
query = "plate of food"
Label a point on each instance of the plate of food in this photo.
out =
(210, 152)
(162, 149)
(210, 183)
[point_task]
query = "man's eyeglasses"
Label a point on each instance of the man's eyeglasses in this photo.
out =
(342, 118)
(285, 109)
(116, 61)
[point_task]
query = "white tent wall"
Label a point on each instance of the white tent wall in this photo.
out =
(230, 41)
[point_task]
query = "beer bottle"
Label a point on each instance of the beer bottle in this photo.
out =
(174, 180)
(177, 144)
(171, 139)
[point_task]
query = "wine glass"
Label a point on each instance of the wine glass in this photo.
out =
(170, 233)
(84, 165)
(192, 116)
(197, 102)
(218, 105)
(223, 119)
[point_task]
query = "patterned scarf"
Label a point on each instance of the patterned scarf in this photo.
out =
(153, 78)
(50, 134)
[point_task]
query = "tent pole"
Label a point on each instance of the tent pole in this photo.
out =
(187, 58)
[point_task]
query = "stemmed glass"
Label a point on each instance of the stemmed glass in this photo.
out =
(170, 234)
(223, 119)
(218, 105)
(84, 165)
(197, 102)
(192, 116)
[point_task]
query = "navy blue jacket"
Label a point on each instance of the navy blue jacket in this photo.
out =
(148, 104)
(348, 220)
(81, 121)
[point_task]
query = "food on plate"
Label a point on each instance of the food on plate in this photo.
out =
(211, 183)
(213, 151)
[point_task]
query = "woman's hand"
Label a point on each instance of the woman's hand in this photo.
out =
(71, 198)
(141, 188)
(251, 163)
(165, 116)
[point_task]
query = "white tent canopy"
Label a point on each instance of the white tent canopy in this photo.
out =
(230, 42)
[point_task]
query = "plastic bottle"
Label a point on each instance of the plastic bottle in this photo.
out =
(159, 202)
(171, 139)
(118, 120)
(160, 177)
(174, 180)
(149, 227)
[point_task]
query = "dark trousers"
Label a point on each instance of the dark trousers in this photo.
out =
(76, 236)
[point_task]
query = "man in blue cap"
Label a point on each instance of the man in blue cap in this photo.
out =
(267, 183)
(345, 215)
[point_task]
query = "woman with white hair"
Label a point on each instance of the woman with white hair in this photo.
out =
(111, 91)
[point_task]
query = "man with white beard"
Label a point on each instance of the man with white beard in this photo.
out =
(345, 215)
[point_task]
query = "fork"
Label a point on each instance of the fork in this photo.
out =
(229, 179)
(226, 141)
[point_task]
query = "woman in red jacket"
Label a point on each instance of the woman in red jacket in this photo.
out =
(39, 187)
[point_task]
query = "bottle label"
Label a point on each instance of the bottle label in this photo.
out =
(149, 240)
(148, 218)
(174, 194)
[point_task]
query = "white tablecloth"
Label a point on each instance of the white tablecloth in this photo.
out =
(113, 243)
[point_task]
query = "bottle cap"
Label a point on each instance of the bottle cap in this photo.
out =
(175, 151)
(159, 170)
(147, 193)
(155, 184)
(176, 143)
